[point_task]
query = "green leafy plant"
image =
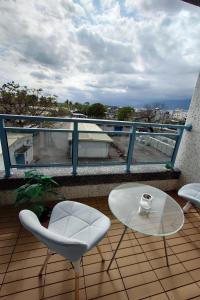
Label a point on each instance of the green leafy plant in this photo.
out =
(37, 186)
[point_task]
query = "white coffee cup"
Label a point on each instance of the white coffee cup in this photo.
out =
(145, 204)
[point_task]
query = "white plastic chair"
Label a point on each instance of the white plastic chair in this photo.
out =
(74, 228)
(191, 193)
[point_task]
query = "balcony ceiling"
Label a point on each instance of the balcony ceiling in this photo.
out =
(194, 2)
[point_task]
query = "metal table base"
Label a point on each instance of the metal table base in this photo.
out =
(125, 228)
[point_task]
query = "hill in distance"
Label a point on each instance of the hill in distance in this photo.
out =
(167, 104)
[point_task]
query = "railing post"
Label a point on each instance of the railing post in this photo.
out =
(188, 127)
(75, 148)
(5, 148)
(178, 141)
(130, 148)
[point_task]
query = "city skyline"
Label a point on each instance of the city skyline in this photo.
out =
(114, 52)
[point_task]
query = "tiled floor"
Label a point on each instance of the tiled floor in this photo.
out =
(139, 271)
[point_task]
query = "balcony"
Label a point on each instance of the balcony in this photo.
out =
(131, 152)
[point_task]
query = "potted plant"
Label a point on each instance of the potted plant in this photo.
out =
(34, 191)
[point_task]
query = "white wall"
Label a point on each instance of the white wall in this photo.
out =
(50, 146)
(93, 149)
(29, 155)
(1, 162)
(188, 158)
(160, 144)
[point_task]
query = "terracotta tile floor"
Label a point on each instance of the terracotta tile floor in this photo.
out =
(139, 271)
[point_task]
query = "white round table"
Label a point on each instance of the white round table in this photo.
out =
(164, 218)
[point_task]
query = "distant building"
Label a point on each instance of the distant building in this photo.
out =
(154, 115)
(179, 114)
(92, 145)
(20, 148)
(111, 112)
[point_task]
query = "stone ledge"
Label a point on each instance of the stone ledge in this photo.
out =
(95, 176)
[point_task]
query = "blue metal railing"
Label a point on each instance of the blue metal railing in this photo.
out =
(132, 133)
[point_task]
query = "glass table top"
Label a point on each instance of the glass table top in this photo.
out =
(165, 217)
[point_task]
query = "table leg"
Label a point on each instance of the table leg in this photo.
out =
(165, 246)
(125, 228)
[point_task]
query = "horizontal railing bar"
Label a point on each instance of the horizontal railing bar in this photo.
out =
(104, 132)
(138, 124)
(36, 118)
(56, 119)
(32, 130)
(92, 121)
(157, 134)
(41, 165)
(67, 165)
(150, 163)
(21, 129)
(103, 164)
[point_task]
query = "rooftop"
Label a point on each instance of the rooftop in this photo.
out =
(139, 271)
(87, 136)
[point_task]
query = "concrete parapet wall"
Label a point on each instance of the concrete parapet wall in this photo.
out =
(188, 158)
(93, 190)
(163, 147)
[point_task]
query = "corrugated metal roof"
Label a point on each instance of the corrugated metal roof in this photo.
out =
(92, 137)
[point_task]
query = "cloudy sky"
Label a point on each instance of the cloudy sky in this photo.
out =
(116, 52)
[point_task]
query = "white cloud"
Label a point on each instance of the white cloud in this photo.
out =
(116, 52)
(107, 4)
(155, 7)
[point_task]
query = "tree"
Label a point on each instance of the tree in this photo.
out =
(18, 100)
(62, 110)
(82, 107)
(85, 107)
(125, 113)
(68, 103)
(97, 110)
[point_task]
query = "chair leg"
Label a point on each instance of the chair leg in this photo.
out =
(99, 250)
(76, 286)
(76, 265)
(45, 262)
(187, 207)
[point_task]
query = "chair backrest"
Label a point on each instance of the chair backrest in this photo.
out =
(71, 249)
